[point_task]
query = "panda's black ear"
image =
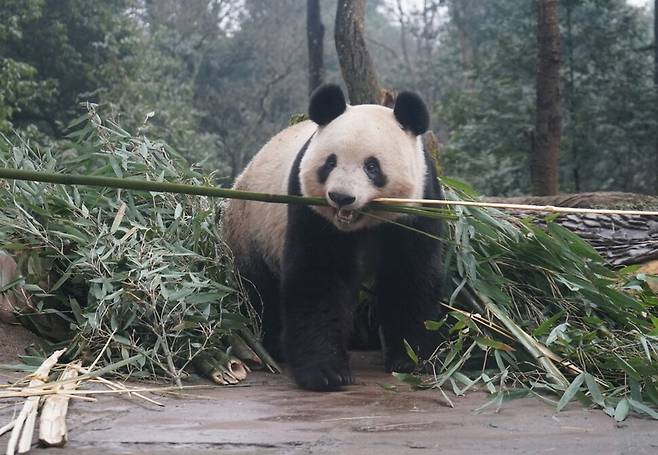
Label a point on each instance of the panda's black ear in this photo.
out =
(410, 111)
(327, 103)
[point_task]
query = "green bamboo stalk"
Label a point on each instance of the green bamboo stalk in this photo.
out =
(160, 187)
(197, 190)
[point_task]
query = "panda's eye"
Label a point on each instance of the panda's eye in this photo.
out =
(372, 165)
(374, 171)
(326, 168)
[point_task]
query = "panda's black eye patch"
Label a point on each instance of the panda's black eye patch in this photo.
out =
(374, 171)
(326, 168)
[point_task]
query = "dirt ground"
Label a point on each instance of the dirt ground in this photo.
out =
(268, 415)
(13, 341)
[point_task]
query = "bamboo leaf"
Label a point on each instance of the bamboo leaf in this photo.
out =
(622, 409)
(434, 326)
(488, 342)
(641, 408)
(118, 218)
(570, 391)
(410, 352)
(594, 390)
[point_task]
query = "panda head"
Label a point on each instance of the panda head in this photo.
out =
(361, 153)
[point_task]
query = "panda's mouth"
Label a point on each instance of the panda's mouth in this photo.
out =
(346, 217)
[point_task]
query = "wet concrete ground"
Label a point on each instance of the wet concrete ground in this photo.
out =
(270, 416)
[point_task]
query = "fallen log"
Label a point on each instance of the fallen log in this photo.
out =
(621, 239)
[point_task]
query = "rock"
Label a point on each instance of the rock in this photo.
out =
(8, 301)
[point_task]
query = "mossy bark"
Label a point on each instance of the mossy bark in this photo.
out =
(356, 65)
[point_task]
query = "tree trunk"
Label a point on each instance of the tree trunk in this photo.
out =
(459, 11)
(545, 154)
(655, 83)
(315, 41)
(355, 63)
(571, 97)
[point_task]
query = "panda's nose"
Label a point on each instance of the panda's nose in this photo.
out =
(341, 199)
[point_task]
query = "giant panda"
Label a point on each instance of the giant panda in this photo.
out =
(307, 264)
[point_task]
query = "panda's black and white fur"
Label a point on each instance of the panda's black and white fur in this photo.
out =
(308, 263)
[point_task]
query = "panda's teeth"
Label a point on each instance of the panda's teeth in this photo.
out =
(345, 216)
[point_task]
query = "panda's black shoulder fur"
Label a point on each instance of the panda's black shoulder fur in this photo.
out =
(294, 185)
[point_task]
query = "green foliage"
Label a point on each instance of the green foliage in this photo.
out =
(477, 66)
(216, 79)
(69, 45)
(610, 116)
(155, 95)
(58, 54)
(540, 306)
(490, 111)
(18, 87)
(120, 273)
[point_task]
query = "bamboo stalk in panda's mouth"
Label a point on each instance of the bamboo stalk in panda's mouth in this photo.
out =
(386, 204)
(499, 205)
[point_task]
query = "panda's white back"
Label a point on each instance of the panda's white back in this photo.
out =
(247, 224)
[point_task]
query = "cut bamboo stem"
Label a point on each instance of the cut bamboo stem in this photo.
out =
(258, 348)
(237, 369)
(21, 435)
(38, 392)
(221, 368)
(242, 350)
(7, 427)
(160, 187)
(52, 424)
(527, 207)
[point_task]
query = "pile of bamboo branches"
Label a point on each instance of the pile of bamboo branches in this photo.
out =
(145, 272)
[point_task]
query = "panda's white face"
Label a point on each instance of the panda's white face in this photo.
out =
(362, 155)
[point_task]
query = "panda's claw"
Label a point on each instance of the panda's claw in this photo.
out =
(323, 378)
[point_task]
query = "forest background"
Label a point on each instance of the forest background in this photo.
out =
(217, 78)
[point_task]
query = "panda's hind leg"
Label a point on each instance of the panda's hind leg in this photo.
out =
(409, 285)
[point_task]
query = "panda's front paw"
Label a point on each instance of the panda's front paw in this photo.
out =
(323, 376)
